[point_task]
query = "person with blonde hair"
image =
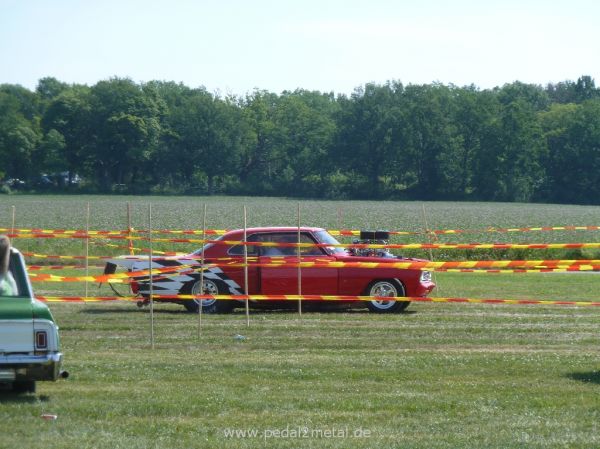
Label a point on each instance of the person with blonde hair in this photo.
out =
(8, 286)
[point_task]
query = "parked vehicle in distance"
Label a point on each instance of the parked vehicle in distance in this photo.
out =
(15, 183)
(29, 341)
(228, 279)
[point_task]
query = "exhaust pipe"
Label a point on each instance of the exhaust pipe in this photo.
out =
(64, 374)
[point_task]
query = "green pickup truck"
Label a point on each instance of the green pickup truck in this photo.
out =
(29, 343)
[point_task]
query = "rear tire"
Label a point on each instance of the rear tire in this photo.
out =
(208, 305)
(386, 287)
(24, 386)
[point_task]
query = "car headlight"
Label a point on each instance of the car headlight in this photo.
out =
(425, 276)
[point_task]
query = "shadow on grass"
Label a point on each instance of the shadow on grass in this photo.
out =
(102, 310)
(238, 311)
(7, 396)
(592, 377)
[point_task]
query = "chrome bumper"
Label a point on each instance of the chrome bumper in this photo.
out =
(30, 367)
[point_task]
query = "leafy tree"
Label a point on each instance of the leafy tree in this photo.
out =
(19, 136)
(533, 95)
(522, 173)
(168, 167)
(307, 129)
(434, 145)
(51, 153)
(49, 88)
(28, 102)
(66, 122)
(573, 159)
(518, 142)
(573, 92)
(125, 128)
(208, 140)
(585, 89)
(370, 138)
(509, 166)
(474, 117)
(259, 156)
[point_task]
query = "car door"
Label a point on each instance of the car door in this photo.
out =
(232, 264)
(283, 280)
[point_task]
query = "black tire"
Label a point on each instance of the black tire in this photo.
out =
(208, 305)
(24, 386)
(386, 287)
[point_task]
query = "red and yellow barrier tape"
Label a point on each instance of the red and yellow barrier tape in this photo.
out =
(328, 298)
(39, 231)
(86, 298)
(130, 248)
(337, 232)
(530, 265)
(115, 278)
(61, 257)
(445, 270)
(166, 254)
(588, 245)
(60, 267)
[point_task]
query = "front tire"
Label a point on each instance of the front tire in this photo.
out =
(208, 305)
(386, 287)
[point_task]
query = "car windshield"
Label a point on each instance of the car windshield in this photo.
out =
(325, 237)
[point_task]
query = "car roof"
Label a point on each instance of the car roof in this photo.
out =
(277, 229)
(14, 250)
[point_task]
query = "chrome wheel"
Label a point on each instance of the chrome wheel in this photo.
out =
(210, 288)
(383, 288)
(386, 288)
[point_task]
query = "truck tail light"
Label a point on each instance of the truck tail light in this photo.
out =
(41, 340)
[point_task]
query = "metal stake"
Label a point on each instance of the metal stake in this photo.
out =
(12, 228)
(431, 240)
(150, 273)
(87, 247)
(129, 230)
(202, 271)
(246, 268)
(298, 253)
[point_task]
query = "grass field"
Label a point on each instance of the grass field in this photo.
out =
(437, 376)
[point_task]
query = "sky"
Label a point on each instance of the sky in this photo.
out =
(236, 46)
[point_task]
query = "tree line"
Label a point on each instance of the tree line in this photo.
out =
(518, 142)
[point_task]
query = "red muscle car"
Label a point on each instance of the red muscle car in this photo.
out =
(227, 277)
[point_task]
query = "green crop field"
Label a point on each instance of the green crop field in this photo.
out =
(110, 213)
(436, 376)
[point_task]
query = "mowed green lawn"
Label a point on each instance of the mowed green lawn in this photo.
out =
(436, 376)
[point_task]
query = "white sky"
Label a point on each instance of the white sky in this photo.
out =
(234, 46)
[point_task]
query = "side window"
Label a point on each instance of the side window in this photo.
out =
(288, 237)
(310, 250)
(238, 250)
